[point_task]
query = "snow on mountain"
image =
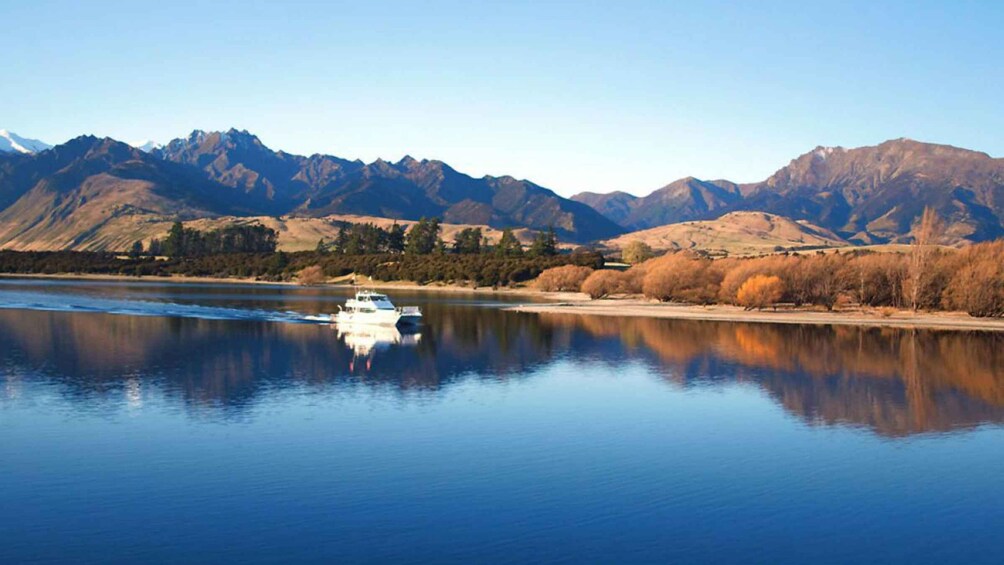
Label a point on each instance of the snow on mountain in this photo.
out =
(147, 146)
(11, 142)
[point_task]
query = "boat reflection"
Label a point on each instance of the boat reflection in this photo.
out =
(365, 340)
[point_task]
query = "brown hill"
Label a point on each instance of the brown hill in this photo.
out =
(736, 233)
(88, 193)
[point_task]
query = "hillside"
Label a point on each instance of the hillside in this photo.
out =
(736, 233)
(89, 193)
(866, 195)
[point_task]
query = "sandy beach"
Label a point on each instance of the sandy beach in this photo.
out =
(725, 313)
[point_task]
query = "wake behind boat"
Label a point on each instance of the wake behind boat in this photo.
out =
(372, 308)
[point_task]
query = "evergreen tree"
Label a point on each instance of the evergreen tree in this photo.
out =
(155, 248)
(467, 241)
(278, 262)
(136, 250)
(395, 239)
(422, 237)
(341, 240)
(508, 245)
(545, 244)
(322, 247)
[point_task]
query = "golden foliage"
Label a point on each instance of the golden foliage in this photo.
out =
(311, 276)
(760, 291)
(567, 278)
(605, 282)
(977, 286)
(681, 277)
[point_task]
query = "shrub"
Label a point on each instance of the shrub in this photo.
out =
(604, 283)
(311, 276)
(760, 291)
(568, 278)
(977, 287)
(681, 277)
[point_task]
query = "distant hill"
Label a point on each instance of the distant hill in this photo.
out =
(736, 233)
(867, 195)
(685, 199)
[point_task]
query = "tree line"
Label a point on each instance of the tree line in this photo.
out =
(190, 242)
(485, 269)
(926, 278)
(424, 239)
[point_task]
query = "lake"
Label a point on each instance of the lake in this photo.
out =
(185, 423)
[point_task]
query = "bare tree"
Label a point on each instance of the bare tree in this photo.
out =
(926, 235)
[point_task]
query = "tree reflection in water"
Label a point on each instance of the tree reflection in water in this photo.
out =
(894, 382)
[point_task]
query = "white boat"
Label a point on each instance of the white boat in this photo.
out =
(376, 309)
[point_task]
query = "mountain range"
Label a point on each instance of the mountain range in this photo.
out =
(90, 192)
(864, 195)
(99, 193)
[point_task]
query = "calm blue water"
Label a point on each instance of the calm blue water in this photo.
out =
(182, 423)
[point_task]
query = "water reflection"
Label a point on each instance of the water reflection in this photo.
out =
(365, 341)
(893, 382)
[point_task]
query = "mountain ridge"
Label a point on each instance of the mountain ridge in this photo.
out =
(871, 194)
(65, 195)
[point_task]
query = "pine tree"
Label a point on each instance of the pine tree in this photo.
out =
(395, 239)
(508, 245)
(545, 244)
(422, 237)
(136, 250)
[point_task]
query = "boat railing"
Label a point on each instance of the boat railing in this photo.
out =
(409, 310)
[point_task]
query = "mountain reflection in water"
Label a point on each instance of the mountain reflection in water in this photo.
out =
(893, 382)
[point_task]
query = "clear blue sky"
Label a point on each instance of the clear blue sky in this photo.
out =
(574, 96)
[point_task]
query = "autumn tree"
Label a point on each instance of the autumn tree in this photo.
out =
(681, 277)
(926, 235)
(977, 286)
(636, 252)
(567, 278)
(311, 276)
(760, 291)
(604, 282)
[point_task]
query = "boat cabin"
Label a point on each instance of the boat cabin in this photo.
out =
(370, 301)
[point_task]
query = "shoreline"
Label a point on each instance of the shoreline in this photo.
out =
(338, 285)
(637, 308)
(576, 303)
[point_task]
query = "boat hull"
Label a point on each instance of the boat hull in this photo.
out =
(379, 318)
